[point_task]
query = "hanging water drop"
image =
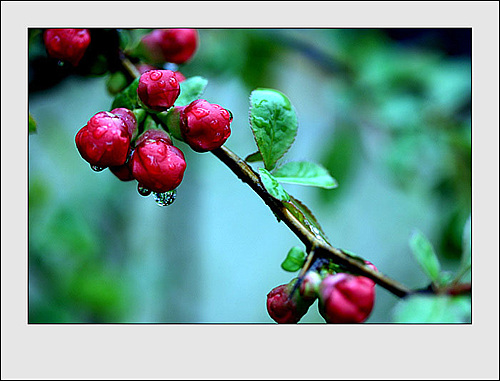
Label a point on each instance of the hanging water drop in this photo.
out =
(60, 63)
(165, 199)
(96, 168)
(143, 191)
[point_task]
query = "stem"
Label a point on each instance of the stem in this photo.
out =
(321, 248)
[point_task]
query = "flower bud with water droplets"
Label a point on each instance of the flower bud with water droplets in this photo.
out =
(170, 45)
(205, 126)
(104, 141)
(158, 89)
(285, 308)
(346, 298)
(156, 163)
(67, 44)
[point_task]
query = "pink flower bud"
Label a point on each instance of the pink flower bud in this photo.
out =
(346, 298)
(67, 44)
(156, 164)
(104, 141)
(205, 126)
(158, 89)
(171, 45)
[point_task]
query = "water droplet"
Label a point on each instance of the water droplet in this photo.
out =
(173, 81)
(96, 168)
(154, 75)
(165, 199)
(143, 191)
(60, 63)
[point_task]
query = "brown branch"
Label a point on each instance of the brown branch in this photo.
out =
(321, 248)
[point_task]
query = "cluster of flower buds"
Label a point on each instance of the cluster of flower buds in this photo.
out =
(106, 141)
(112, 139)
(343, 298)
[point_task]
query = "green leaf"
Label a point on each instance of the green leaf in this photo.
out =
(305, 216)
(425, 255)
(191, 89)
(433, 309)
(31, 124)
(273, 186)
(254, 157)
(305, 173)
(466, 261)
(128, 97)
(294, 260)
(274, 124)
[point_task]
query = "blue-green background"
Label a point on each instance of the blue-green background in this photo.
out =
(388, 112)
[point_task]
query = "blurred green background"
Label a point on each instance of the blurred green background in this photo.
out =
(387, 111)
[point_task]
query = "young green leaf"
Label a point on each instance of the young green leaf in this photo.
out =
(273, 186)
(31, 124)
(191, 89)
(254, 157)
(433, 309)
(294, 259)
(128, 97)
(305, 173)
(274, 124)
(424, 254)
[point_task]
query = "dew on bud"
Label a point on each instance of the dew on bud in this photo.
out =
(166, 198)
(96, 168)
(143, 191)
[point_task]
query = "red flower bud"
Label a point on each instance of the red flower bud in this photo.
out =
(128, 118)
(205, 126)
(284, 308)
(67, 44)
(123, 172)
(156, 164)
(171, 45)
(346, 298)
(104, 141)
(158, 89)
